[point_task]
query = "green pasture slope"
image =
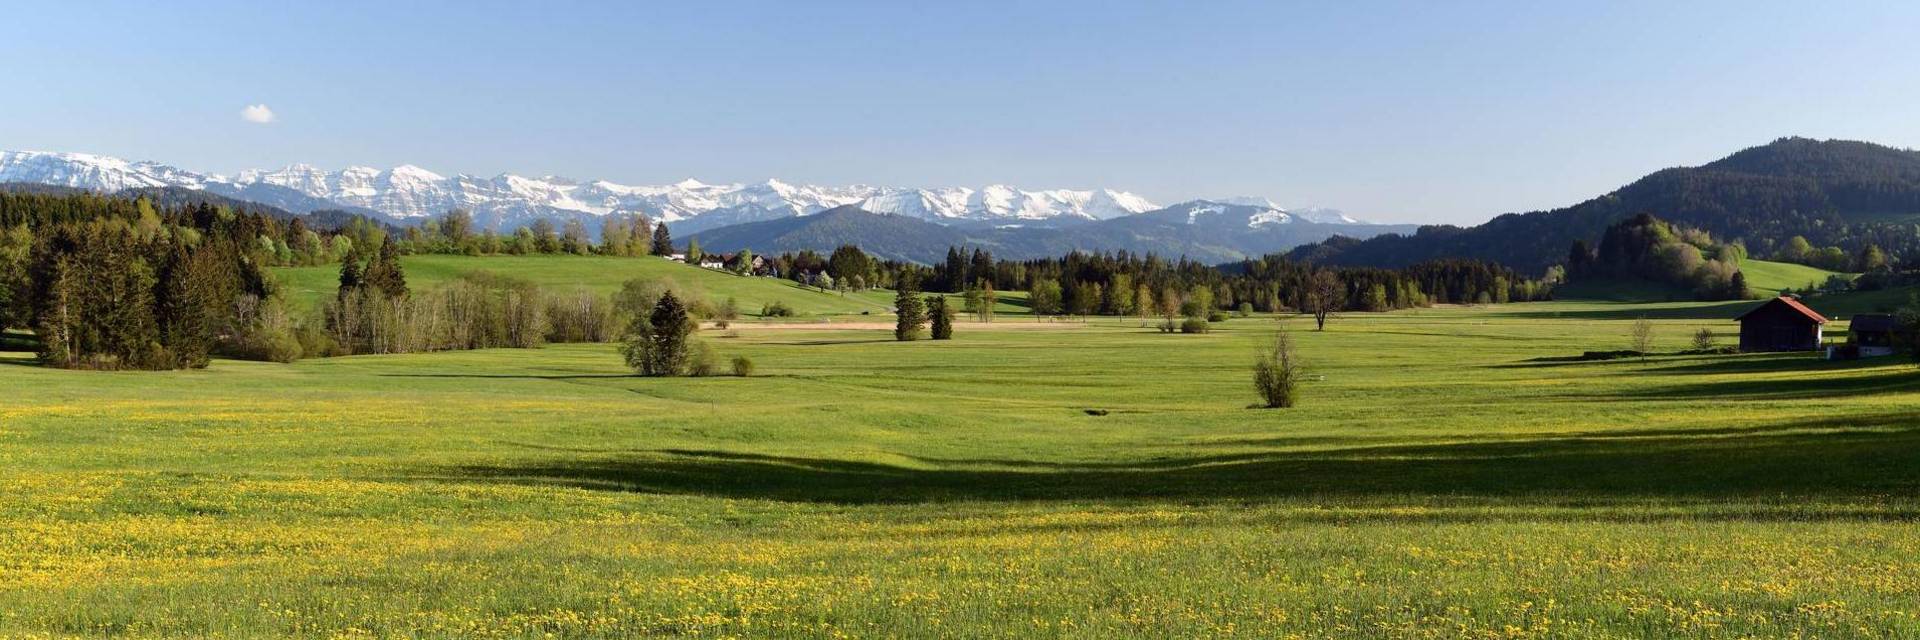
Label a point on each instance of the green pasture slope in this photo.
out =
(1448, 475)
(1764, 279)
(306, 286)
(1769, 278)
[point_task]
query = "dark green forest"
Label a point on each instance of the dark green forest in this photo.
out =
(1841, 194)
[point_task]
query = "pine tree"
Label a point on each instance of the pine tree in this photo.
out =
(662, 240)
(657, 343)
(908, 311)
(942, 317)
(385, 273)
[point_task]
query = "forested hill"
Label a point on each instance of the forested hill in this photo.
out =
(1833, 192)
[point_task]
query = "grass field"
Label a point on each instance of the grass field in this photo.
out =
(307, 286)
(1444, 478)
(1769, 278)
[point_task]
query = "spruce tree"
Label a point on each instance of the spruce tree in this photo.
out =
(942, 317)
(385, 274)
(656, 343)
(662, 240)
(908, 311)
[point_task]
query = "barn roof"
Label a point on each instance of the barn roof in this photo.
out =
(1871, 322)
(1791, 304)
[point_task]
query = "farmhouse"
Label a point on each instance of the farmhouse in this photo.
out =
(1871, 334)
(1780, 324)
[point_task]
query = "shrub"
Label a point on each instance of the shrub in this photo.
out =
(702, 362)
(1703, 339)
(742, 366)
(1217, 316)
(1277, 373)
(776, 309)
(1246, 309)
(1194, 325)
(1167, 326)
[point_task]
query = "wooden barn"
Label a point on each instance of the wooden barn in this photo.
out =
(1871, 334)
(1780, 324)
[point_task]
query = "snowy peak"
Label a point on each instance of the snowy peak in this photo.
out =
(409, 192)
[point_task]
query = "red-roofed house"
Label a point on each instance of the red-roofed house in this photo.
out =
(1780, 324)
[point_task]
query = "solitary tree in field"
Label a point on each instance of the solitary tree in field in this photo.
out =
(1703, 339)
(942, 317)
(908, 312)
(1277, 373)
(1642, 336)
(656, 343)
(1325, 294)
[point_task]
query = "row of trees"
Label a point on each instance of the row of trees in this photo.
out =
(619, 235)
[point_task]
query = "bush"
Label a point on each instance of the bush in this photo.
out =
(702, 362)
(1217, 316)
(1277, 373)
(1246, 309)
(1194, 325)
(1703, 339)
(776, 309)
(1167, 326)
(742, 366)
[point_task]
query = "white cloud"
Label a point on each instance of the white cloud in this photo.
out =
(257, 114)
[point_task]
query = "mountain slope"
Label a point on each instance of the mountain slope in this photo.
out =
(1202, 230)
(1832, 192)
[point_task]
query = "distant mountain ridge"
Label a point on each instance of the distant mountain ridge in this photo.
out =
(1202, 230)
(408, 193)
(1833, 192)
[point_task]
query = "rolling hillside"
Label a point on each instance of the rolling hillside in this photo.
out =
(1832, 192)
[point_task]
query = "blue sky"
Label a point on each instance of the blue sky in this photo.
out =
(1423, 112)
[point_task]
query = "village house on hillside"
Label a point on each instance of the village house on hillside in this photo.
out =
(1781, 324)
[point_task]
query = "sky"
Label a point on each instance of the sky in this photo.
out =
(1430, 112)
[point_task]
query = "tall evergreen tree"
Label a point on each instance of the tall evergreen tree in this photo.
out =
(657, 343)
(942, 317)
(385, 274)
(662, 240)
(909, 314)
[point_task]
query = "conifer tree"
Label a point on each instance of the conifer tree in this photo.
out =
(942, 317)
(662, 240)
(908, 311)
(385, 274)
(656, 343)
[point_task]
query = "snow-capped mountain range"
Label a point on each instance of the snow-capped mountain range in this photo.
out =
(407, 193)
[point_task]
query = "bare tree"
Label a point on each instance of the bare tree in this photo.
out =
(1325, 294)
(1642, 335)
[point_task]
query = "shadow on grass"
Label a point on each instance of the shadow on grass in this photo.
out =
(18, 341)
(1854, 458)
(1722, 311)
(514, 376)
(1782, 389)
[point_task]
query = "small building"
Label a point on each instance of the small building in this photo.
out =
(713, 261)
(1871, 334)
(1780, 324)
(677, 257)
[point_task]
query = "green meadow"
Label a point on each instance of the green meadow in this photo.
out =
(1450, 473)
(306, 287)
